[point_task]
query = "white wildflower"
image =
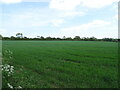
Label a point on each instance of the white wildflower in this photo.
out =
(10, 86)
(19, 87)
(8, 69)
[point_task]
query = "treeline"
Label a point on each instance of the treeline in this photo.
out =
(76, 38)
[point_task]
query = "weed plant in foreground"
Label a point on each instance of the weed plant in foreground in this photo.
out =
(8, 71)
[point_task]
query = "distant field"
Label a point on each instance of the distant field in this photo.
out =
(63, 64)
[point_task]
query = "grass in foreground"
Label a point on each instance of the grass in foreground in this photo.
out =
(63, 64)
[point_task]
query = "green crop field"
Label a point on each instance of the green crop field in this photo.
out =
(62, 64)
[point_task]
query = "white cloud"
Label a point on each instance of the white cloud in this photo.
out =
(33, 19)
(57, 22)
(116, 17)
(72, 14)
(2, 31)
(39, 24)
(18, 1)
(93, 24)
(36, 0)
(97, 3)
(97, 28)
(11, 1)
(64, 4)
(72, 4)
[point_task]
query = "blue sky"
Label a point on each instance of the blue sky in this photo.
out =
(58, 18)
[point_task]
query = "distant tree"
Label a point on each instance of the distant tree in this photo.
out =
(77, 38)
(118, 40)
(64, 37)
(107, 39)
(85, 38)
(42, 38)
(38, 36)
(68, 38)
(19, 35)
(25, 38)
(6, 38)
(48, 38)
(53, 38)
(115, 40)
(58, 38)
(12, 38)
(92, 38)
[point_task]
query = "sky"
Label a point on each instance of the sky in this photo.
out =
(58, 18)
